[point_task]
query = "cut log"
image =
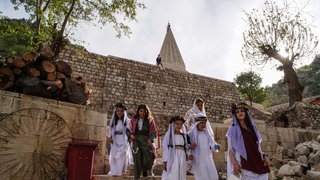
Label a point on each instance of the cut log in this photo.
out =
(10, 60)
(64, 68)
(6, 78)
(25, 80)
(48, 66)
(32, 71)
(30, 56)
(17, 71)
(57, 83)
(80, 81)
(19, 63)
(37, 90)
(75, 93)
(60, 75)
(45, 52)
(51, 76)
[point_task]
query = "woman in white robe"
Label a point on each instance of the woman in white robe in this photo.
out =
(202, 137)
(120, 150)
(174, 151)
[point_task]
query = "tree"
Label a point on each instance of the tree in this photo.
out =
(278, 29)
(54, 17)
(248, 84)
(16, 37)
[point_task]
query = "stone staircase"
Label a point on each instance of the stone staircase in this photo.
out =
(105, 177)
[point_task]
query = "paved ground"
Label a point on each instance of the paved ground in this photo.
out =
(105, 177)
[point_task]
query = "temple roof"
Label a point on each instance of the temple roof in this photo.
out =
(170, 53)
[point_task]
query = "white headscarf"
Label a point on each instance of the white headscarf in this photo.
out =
(195, 107)
(169, 141)
(193, 134)
(113, 125)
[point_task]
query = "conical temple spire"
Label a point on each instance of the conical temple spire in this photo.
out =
(170, 54)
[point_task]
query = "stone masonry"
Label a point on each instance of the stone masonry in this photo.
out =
(165, 91)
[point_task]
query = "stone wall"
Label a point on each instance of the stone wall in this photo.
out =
(301, 114)
(167, 92)
(35, 133)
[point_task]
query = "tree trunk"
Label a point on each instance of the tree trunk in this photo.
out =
(294, 86)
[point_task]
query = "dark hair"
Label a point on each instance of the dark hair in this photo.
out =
(247, 122)
(121, 105)
(116, 118)
(176, 118)
(199, 100)
(146, 108)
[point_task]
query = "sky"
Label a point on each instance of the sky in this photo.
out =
(208, 34)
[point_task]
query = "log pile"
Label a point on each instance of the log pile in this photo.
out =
(35, 73)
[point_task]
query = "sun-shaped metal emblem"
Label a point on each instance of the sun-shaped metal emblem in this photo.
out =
(33, 144)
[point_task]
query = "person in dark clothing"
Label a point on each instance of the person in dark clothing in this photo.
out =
(159, 60)
(142, 131)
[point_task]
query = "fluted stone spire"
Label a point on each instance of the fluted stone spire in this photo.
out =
(170, 54)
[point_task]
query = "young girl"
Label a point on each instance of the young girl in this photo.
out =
(244, 151)
(142, 131)
(174, 151)
(118, 141)
(202, 145)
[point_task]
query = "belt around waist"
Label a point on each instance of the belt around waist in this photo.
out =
(118, 133)
(179, 147)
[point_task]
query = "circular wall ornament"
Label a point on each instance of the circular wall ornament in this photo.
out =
(33, 144)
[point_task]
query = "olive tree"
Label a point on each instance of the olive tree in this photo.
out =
(281, 35)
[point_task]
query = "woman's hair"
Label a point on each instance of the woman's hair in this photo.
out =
(199, 100)
(116, 118)
(148, 112)
(243, 105)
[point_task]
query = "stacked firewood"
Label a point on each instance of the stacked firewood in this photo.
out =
(35, 73)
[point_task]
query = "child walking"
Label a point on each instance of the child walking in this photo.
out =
(202, 145)
(118, 141)
(174, 150)
(142, 131)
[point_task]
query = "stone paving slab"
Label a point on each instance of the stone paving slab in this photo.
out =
(105, 177)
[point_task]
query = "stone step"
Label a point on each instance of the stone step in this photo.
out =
(105, 177)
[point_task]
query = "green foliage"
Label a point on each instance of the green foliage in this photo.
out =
(60, 14)
(16, 37)
(249, 85)
(277, 94)
(310, 77)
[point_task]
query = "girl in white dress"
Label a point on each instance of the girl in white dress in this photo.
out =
(202, 145)
(119, 152)
(174, 151)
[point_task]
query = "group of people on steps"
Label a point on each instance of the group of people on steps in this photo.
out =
(187, 145)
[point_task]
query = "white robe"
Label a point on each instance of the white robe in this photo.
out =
(179, 165)
(119, 152)
(204, 168)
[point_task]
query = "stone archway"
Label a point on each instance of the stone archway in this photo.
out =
(33, 144)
